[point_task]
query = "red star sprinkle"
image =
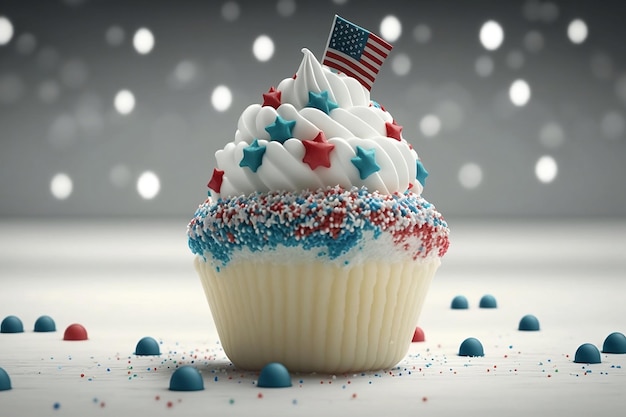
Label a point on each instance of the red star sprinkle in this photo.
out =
(272, 98)
(317, 151)
(394, 130)
(216, 180)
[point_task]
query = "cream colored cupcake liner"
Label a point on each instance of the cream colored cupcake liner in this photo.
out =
(316, 317)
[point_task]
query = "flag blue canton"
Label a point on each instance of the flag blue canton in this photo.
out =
(348, 38)
(355, 51)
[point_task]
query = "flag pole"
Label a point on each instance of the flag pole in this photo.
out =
(330, 35)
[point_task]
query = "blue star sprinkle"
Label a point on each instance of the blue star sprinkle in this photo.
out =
(281, 129)
(321, 101)
(421, 173)
(365, 162)
(253, 156)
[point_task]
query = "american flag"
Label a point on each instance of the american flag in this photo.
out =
(355, 51)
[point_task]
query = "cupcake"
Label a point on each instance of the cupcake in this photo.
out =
(315, 247)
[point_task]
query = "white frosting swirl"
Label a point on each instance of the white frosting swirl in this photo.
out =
(353, 121)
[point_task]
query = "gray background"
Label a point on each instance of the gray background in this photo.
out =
(60, 72)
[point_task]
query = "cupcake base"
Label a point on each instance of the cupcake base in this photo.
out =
(316, 317)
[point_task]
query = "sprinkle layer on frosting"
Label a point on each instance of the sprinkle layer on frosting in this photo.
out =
(330, 223)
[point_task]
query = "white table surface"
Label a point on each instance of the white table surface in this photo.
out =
(124, 280)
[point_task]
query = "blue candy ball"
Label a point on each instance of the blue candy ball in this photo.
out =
(471, 347)
(587, 353)
(529, 323)
(274, 375)
(147, 346)
(614, 343)
(186, 378)
(459, 303)
(488, 301)
(5, 381)
(11, 324)
(45, 324)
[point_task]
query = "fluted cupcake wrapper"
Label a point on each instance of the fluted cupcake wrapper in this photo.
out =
(316, 317)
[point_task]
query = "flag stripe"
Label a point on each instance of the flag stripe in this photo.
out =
(386, 45)
(343, 59)
(371, 48)
(372, 58)
(346, 61)
(381, 52)
(363, 81)
(366, 81)
(369, 63)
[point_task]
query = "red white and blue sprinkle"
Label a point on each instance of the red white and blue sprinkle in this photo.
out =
(330, 221)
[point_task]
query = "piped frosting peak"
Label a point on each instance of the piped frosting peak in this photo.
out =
(316, 129)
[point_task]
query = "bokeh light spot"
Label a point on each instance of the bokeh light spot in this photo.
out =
(470, 175)
(491, 35)
(551, 135)
(519, 92)
(430, 125)
(61, 186)
(185, 74)
(74, 73)
(548, 11)
(577, 31)
(401, 64)
(613, 125)
(26, 43)
(286, 8)
(546, 169)
(185, 71)
(6, 30)
(263, 48)
(231, 11)
(422, 33)
(124, 102)
(221, 98)
(148, 185)
(114, 36)
(390, 28)
(120, 175)
(534, 41)
(536, 10)
(143, 41)
(484, 66)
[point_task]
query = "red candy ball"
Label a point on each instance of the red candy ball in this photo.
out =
(418, 335)
(75, 332)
